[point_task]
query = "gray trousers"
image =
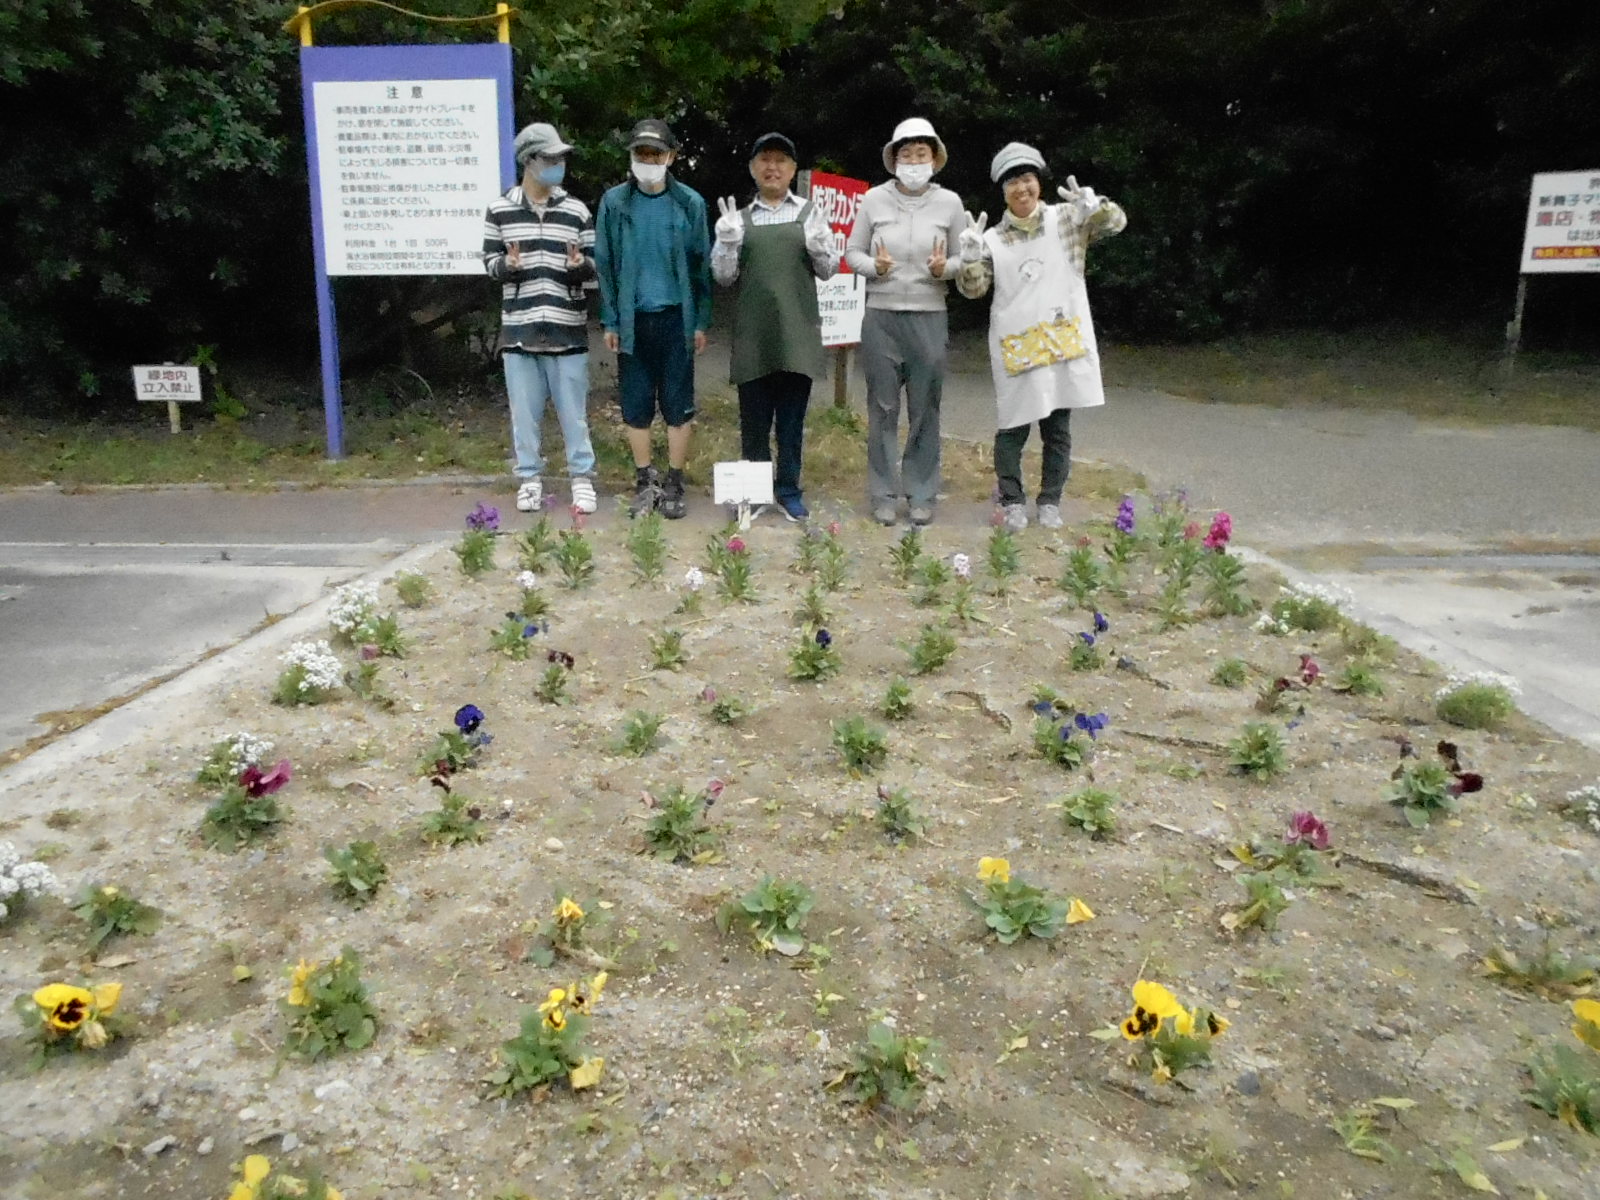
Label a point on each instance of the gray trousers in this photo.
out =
(903, 350)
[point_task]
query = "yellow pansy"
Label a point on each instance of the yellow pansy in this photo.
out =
(1161, 1073)
(109, 892)
(597, 985)
(994, 870)
(1079, 912)
(568, 911)
(557, 997)
(242, 1191)
(106, 998)
(586, 1074)
(256, 1168)
(65, 1007)
(556, 1019)
(1156, 999)
(1587, 1030)
(1216, 1026)
(1140, 1024)
(1184, 1022)
(299, 997)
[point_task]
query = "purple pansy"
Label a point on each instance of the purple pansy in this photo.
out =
(468, 718)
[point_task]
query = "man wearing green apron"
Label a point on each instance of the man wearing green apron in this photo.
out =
(774, 249)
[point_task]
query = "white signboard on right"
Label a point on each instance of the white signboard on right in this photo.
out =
(842, 303)
(1563, 231)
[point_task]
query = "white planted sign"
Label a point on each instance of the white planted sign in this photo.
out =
(167, 382)
(841, 302)
(742, 482)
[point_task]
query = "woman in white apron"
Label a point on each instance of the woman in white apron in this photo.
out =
(1041, 338)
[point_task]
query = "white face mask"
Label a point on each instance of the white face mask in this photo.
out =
(914, 176)
(649, 174)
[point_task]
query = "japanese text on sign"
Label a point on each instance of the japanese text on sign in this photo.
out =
(407, 170)
(842, 300)
(167, 383)
(1563, 228)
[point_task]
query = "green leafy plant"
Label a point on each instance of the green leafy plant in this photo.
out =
(1055, 742)
(964, 604)
(1358, 1127)
(358, 870)
(933, 648)
(1422, 790)
(860, 746)
(774, 912)
(452, 751)
(898, 815)
(1566, 1084)
(890, 1068)
(1081, 577)
(1363, 641)
(1359, 678)
(1258, 751)
(832, 567)
(535, 545)
(814, 657)
(382, 631)
(109, 911)
(455, 821)
(647, 545)
(1549, 972)
(413, 588)
(553, 686)
(813, 608)
(1084, 655)
(1475, 702)
(903, 555)
(725, 710)
(678, 829)
(1309, 608)
(574, 557)
(732, 564)
(1013, 907)
(243, 814)
(1230, 673)
(897, 700)
(1089, 809)
(364, 684)
(1172, 602)
(1265, 899)
(640, 732)
(475, 551)
(931, 575)
(551, 1044)
(512, 638)
(534, 605)
(666, 649)
(1003, 558)
(1225, 594)
(328, 1007)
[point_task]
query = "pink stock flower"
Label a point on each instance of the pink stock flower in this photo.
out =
(1309, 671)
(1191, 531)
(708, 694)
(833, 529)
(1221, 531)
(997, 518)
(714, 791)
(735, 545)
(1304, 829)
(256, 782)
(577, 516)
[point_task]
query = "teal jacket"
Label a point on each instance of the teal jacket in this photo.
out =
(614, 255)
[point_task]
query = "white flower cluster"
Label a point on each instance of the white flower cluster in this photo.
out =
(323, 671)
(354, 604)
(246, 750)
(1267, 623)
(1585, 805)
(962, 565)
(1328, 593)
(694, 579)
(527, 581)
(1454, 683)
(24, 878)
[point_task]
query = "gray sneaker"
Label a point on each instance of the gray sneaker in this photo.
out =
(883, 514)
(1050, 516)
(921, 514)
(646, 493)
(1016, 517)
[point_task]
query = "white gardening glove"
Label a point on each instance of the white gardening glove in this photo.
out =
(971, 239)
(1085, 203)
(818, 234)
(730, 226)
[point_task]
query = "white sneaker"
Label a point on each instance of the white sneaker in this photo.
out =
(1050, 516)
(1016, 517)
(583, 498)
(530, 496)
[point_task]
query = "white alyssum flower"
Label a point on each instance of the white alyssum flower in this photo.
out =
(323, 671)
(1267, 623)
(354, 604)
(1454, 683)
(1585, 805)
(962, 565)
(527, 581)
(694, 579)
(21, 878)
(1329, 593)
(246, 750)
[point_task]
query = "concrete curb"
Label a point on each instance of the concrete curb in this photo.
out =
(121, 725)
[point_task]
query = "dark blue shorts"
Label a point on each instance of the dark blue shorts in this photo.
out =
(659, 375)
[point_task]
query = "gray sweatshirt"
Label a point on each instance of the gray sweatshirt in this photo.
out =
(906, 226)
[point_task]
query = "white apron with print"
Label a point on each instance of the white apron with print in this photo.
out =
(1041, 339)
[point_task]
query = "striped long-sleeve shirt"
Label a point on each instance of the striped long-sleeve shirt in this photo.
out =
(542, 307)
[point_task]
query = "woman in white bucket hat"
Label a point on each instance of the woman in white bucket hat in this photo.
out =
(1042, 348)
(904, 232)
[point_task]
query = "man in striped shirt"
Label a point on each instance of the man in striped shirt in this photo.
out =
(538, 243)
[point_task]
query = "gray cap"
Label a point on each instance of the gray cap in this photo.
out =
(1012, 156)
(537, 139)
(774, 141)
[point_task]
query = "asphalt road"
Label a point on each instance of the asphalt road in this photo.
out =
(102, 592)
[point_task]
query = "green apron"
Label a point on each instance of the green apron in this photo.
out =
(776, 326)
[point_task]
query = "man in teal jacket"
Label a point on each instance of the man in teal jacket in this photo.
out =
(652, 255)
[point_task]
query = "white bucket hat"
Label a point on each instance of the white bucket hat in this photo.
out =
(914, 127)
(1013, 155)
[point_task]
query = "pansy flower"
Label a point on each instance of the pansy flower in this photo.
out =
(258, 783)
(1044, 708)
(1305, 829)
(562, 657)
(708, 694)
(994, 870)
(468, 718)
(1088, 638)
(824, 638)
(1465, 783)
(714, 791)
(1310, 672)
(1152, 1004)
(484, 517)
(1079, 912)
(1101, 624)
(1125, 515)
(1091, 724)
(568, 911)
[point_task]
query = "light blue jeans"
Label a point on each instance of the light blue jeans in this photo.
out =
(564, 380)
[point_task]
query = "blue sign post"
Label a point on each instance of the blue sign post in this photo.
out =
(405, 146)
